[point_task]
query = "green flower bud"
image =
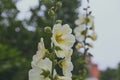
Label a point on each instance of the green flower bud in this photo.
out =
(51, 13)
(59, 4)
(47, 29)
(58, 21)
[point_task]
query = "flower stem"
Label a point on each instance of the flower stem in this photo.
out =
(53, 66)
(86, 31)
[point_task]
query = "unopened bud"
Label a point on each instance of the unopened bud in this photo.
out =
(58, 21)
(78, 46)
(51, 13)
(59, 4)
(47, 29)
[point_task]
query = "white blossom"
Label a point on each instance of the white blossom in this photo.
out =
(40, 54)
(83, 18)
(36, 72)
(80, 20)
(62, 38)
(67, 65)
(78, 32)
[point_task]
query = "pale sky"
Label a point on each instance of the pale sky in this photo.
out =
(107, 25)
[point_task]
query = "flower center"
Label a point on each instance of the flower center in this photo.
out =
(59, 38)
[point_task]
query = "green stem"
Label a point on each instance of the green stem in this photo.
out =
(86, 31)
(53, 54)
(53, 66)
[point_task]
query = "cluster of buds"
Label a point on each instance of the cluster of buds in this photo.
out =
(54, 8)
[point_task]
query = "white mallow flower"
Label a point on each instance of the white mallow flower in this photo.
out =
(78, 32)
(67, 65)
(90, 20)
(44, 67)
(40, 54)
(82, 20)
(62, 36)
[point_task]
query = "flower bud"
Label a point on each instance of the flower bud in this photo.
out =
(51, 13)
(58, 21)
(78, 46)
(47, 29)
(59, 4)
(93, 36)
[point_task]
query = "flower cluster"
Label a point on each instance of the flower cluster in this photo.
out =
(44, 61)
(85, 34)
(85, 31)
(55, 63)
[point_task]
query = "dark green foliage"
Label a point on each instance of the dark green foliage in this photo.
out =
(12, 64)
(68, 11)
(80, 66)
(110, 74)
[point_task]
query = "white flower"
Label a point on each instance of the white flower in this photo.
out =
(82, 20)
(67, 65)
(91, 20)
(40, 54)
(62, 38)
(78, 32)
(36, 72)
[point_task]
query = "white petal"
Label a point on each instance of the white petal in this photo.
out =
(66, 29)
(69, 40)
(45, 64)
(34, 74)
